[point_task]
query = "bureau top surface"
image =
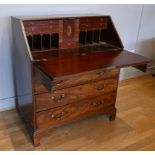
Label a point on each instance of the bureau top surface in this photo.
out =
(58, 66)
(58, 16)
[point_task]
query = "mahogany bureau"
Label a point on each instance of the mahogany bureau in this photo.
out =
(67, 68)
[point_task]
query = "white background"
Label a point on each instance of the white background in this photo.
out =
(135, 25)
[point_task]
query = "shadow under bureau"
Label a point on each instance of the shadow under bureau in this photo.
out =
(67, 68)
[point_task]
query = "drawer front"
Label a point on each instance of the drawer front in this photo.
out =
(61, 97)
(93, 23)
(64, 114)
(84, 78)
(92, 89)
(40, 27)
(100, 23)
(37, 23)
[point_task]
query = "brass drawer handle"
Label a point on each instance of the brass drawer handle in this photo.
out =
(62, 96)
(53, 98)
(96, 104)
(99, 87)
(53, 116)
(62, 113)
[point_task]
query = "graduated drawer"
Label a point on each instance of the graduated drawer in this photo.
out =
(92, 89)
(74, 94)
(82, 78)
(64, 114)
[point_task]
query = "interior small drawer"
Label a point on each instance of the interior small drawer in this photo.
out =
(68, 44)
(83, 78)
(85, 24)
(39, 27)
(70, 112)
(41, 22)
(93, 23)
(100, 23)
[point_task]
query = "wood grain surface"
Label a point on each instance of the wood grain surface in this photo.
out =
(133, 128)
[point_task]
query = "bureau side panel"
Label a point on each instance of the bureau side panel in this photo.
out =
(22, 73)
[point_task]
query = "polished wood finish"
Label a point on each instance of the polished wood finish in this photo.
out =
(55, 67)
(69, 70)
(132, 130)
(57, 116)
(82, 78)
(74, 94)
